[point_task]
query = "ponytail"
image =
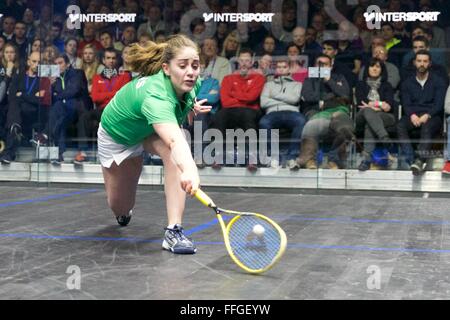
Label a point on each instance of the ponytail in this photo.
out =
(148, 60)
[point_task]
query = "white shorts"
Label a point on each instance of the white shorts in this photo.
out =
(110, 151)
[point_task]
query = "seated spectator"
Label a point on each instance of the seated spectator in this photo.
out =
(27, 107)
(49, 55)
(239, 95)
(36, 45)
(265, 67)
(89, 38)
(231, 45)
(318, 24)
(209, 90)
(377, 109)
(55, 36)
(125, 67)
(269, 46)
(155, 22)
(420, 43)
(104, 87)
(8, 25)
(144, 39)
(311, 50)
(221, 33)
(396, 47)
(446, 168)
(20, 40)
(2, 45)
(28, 19)
(67, 102)
(350, 47)
(280, 100)
(330, 48)
(422, 97)
(326, 106)
(90, 64)
(217, 67)
(71, 49)
(128, 37)
(10, 60)
(393, 75)
(106, 39)
(297, 66)
(160, 36)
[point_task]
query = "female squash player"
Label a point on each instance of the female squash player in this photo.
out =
(145, 115)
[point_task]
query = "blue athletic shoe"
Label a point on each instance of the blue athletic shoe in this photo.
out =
(176, 242)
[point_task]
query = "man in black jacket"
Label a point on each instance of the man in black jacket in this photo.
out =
(26, 107)
(67, 102)
(422, 96)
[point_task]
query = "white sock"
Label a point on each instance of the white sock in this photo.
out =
(171, 226)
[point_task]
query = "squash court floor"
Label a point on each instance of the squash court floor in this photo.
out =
(341, 245)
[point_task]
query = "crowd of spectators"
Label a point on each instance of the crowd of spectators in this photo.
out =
(386, 90)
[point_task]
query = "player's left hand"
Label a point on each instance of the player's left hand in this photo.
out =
(200, 108)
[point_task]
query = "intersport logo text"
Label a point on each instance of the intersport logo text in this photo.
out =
(238, 17)
(374, 16)
(76, 17)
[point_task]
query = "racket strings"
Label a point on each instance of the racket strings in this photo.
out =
(257, 247)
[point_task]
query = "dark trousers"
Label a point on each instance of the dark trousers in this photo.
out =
(62, 114)
(293, 121)
(427, 132)
(373, 124)
(237, 118)
(87, 126)
(22, 117)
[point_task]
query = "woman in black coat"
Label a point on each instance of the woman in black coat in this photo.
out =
(377, 109)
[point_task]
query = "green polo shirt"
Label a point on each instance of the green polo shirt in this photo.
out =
(129, 117)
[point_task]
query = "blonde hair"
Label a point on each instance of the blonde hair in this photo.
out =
(148, 60)
(16, 57)
(233, 35)
(90, 69)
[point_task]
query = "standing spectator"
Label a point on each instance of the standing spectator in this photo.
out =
(395, 46)
(104, 87)
(239, 95)
(422, 97)
(375, 100)
(280, 99)
(326, 106)
(67, 100)
(70, 49)
(90, 64)
(28, 104)
(350, 47)
(216, 66)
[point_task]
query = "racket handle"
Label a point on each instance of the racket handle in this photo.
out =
(203, 198)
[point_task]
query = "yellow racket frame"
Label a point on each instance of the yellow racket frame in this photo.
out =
(207, 201)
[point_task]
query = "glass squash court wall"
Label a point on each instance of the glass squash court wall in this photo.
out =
(324, 24)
